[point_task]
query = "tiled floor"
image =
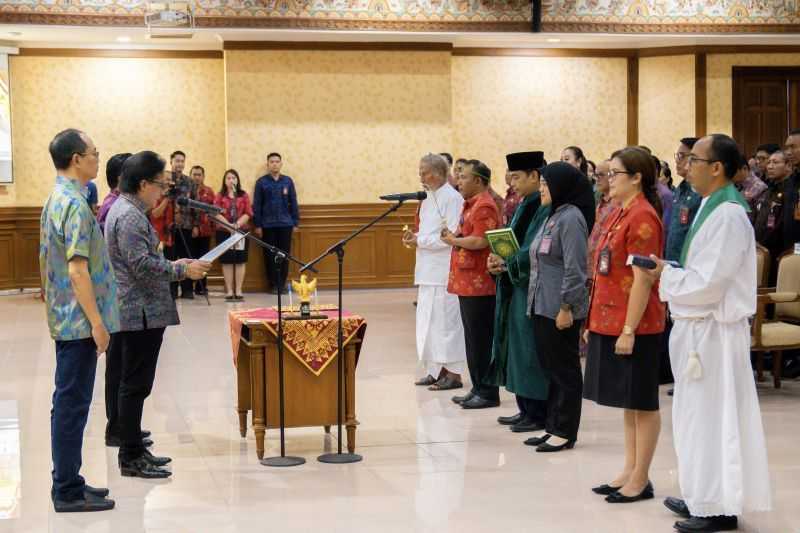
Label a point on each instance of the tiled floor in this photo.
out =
(428, 465)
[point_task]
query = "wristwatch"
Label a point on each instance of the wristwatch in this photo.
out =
(627, 330)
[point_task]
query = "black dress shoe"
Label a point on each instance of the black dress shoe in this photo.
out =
(677, 506)
(116, 442)
(707, 524)
(141, 467)
(510, 420)
(156, 460)
(536, 441)
(99, 492)
(526, 425)
(88, 504)
(546, 447)
(476, 402)
(464, 398)
(671, 392)
(646, 494)
(605, 490)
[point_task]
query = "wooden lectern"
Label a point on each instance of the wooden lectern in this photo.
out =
(310, 398)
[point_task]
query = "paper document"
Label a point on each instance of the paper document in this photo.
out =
(224, 246)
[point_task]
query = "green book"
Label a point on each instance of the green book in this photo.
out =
(503, 242)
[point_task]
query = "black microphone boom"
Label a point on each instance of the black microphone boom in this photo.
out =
(200, 206)
(402, 197)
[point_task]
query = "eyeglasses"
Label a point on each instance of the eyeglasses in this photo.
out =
(680, 156)
(612, 174)
(607, 175)
(694, 159)
(95, 153)
(162, 184)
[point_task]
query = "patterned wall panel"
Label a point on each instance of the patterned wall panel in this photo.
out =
(125, 105)
(666, 103)
(507, 104)
(417, 15)
(351, 125)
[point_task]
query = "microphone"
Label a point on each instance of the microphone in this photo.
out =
(200, 206)
(403, 196)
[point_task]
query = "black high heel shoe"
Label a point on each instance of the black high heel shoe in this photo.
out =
(547, 447)
(605, 490)
(646, 494)
(536, 441)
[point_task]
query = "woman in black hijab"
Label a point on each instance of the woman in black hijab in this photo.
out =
(558, 299)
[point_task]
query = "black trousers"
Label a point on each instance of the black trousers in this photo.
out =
(665, 368)
(281, 238)
(138, 354)
(534, 410)
(181, 248)
(558, 350)
(113, 376)
(201, 246)
(477, 316)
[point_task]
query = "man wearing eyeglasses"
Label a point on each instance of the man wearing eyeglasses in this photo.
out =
(80, 293)
(685, 203)
(716, 420)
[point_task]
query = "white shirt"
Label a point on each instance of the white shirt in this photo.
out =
(441, 208)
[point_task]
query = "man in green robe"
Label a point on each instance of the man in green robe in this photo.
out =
(515, 364)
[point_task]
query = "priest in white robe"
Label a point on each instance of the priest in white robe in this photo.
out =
(717, 429)
(440, 334)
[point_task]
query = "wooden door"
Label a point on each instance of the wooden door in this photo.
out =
(765, 105)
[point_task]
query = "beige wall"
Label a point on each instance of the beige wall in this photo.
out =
(125, 105)
(350, 125)
(666, 103)
(719, 86)
(509, 104)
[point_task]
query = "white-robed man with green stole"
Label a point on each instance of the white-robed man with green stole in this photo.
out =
(716, 420)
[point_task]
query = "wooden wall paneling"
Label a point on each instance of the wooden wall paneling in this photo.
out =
(7, 256)
(633, 101)
(700, 95)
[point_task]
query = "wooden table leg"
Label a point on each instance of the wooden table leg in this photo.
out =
(243, 387)
(257, 385)
(350, 399)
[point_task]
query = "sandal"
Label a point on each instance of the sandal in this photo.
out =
(424, 382)
(446, 383)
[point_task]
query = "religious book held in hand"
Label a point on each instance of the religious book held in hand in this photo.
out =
(503, 242)
(224, 246)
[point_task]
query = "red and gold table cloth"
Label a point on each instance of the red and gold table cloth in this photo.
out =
(313, 342)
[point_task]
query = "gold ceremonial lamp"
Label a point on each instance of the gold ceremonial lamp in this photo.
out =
(304, 290)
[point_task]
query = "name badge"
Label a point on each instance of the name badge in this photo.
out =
(604, 262)
(684, 215)
(285, 191)
(544, 247)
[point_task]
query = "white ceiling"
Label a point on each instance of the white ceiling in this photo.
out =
(213, 39)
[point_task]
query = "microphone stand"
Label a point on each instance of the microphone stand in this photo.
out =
(282, 460)
(338, 249)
